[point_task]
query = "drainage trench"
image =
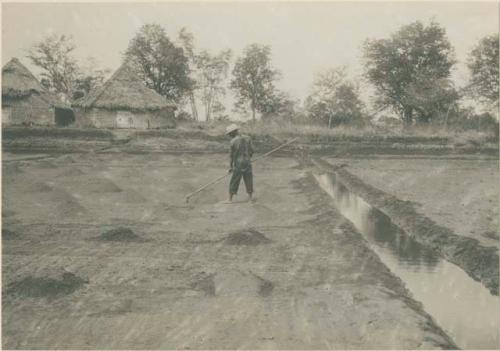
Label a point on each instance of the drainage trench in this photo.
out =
(463, 307)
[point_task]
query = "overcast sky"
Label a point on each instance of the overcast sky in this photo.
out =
(305, 37)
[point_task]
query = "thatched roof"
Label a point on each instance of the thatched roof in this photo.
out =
(19, 83)
(124, 90)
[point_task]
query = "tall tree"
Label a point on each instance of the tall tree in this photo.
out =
(335, 99)
(163, 66)
(54, 55)
(483, 66)
(186, 41)
(61, 72)
(213, 71)
(414, 57)
(253, 78)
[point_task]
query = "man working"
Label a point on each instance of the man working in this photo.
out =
(240, 164)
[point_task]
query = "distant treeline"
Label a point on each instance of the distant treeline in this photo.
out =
(409, 72)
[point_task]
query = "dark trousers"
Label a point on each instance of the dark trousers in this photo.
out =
(238, 173)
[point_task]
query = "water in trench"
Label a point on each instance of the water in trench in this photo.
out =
(464, 308)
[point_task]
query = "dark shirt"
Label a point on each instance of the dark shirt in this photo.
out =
(241, 152)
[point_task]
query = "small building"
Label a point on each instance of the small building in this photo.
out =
(26, 102)
(124, 101)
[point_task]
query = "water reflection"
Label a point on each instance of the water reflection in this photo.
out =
(379, 227)
(464, 308)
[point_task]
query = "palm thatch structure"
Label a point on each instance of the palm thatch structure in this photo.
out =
(26, 102)
(124, 101)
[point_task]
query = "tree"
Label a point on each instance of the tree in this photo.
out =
(61, 72)
(253, 78)
(207, 73)
(186, 41)
(162, 65)
(213, 71)
(91, 77)
(413, 58)
(279, 105)
(335, 99)
(430, 98)
(483, 66)
(54, 55)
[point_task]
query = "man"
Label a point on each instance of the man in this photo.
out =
(240, 164)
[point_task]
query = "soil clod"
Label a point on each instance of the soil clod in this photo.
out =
(9, 234)
(46, 287)
(266, 288)
(120, 234)
(249, 237)
(205, 284)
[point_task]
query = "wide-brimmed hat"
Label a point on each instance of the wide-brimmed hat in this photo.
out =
(231, 128)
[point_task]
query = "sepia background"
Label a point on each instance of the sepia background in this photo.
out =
(372, 130)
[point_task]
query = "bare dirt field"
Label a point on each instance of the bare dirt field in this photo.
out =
(100, 251)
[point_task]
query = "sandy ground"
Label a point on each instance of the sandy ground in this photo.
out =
(460, 194)
(287, 272)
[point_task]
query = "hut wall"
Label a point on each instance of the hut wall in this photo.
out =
(82, 118)
(103, 118)
(31, 111)
(167, 119)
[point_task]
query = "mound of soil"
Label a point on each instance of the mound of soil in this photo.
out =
(102, 185)
(46, 287)
(266, 288)
(249, 237)
(9, 234)
(120, 234)
(206, 284)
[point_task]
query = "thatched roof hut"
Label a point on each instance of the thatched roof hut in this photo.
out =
(124, 101)
(25, 101)
(17, 80)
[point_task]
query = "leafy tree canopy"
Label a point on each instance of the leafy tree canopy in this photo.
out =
(212, 73)
(61, 72)
(483, 65)
(54, 55)
(335, 99)
(413, 58)
(253, 78)
(162, 65)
